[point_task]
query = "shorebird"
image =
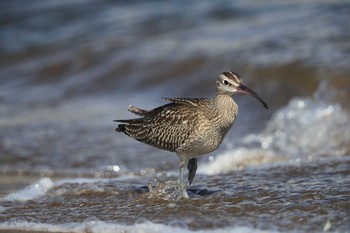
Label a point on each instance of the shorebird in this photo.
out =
(190, 127)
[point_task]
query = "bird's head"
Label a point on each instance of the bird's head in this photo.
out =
(230, 83)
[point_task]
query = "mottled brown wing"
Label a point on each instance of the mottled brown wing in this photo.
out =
(165, 127)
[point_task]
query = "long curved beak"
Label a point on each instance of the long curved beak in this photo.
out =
(245, 90)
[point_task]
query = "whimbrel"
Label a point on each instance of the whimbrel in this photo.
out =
(190, 127)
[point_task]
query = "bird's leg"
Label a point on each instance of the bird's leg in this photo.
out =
(192, 168)
(181, 178)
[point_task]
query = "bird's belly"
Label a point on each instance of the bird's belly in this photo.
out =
(196, 149)
(202, 144)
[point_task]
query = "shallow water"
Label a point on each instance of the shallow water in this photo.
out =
(281, 198)
(67, 69)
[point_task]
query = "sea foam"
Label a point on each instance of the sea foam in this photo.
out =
(42, 186)
(37, 189)
(308, 129)
(96, 226)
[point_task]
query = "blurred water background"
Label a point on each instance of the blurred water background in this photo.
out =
(68, 68)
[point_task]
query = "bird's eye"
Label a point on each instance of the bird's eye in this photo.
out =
(226, 82)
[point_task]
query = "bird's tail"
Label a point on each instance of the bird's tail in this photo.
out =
(121, 128)
(124, 128)
(136, 110)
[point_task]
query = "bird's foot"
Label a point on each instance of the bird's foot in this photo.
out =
(183, 191)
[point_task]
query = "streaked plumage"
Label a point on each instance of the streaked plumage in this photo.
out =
(190, 127)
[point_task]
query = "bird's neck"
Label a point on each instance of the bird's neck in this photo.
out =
(226, 106)
(223, 99)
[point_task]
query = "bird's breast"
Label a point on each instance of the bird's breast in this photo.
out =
(209, 133)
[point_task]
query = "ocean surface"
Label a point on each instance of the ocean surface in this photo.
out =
(69, 68)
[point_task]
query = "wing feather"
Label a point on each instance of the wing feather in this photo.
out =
(166, 127)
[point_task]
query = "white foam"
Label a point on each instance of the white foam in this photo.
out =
(34, 190)
(97, 226)
(308, 129)
(42, 186)
(238, 159)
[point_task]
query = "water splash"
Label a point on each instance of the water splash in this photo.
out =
(35, 190)
(309, 129)
(167, 191)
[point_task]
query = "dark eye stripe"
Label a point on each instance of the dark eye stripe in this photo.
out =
(234, 77)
